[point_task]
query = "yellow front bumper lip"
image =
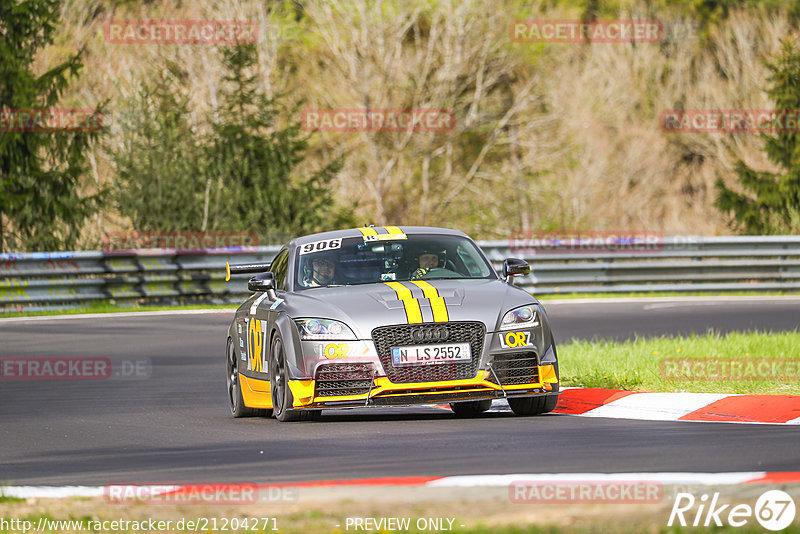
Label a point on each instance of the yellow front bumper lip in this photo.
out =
(256, 393)
(303, 390)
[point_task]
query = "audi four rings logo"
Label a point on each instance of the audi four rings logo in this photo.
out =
(433, 333)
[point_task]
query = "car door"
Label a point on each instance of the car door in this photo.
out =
(256, 324)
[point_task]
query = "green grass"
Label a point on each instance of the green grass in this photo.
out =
(649, 364)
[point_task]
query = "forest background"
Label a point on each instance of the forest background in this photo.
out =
(546, 136)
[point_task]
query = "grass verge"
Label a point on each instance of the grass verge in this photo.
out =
(500, 518)
(738, 362)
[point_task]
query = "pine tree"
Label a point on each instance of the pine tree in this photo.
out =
(255, 161)
(40, 206)
(242, 176)
(159, 161)
(770, 203)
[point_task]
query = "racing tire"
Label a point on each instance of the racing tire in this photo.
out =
(282, 398)
(235, 400)
(533, 405)
(470, 408)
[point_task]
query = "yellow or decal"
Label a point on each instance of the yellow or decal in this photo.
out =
(227, 271)
(437, 303)
(335, 350)
(392, 232)
(255, 342)
(515, 339)
(413, 311)
(385, 387)
(387, 237)
(367, 231)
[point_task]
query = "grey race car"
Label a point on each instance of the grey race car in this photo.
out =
(378, 316)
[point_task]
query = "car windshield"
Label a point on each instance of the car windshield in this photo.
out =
(350, 261)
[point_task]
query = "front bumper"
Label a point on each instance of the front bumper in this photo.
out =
(383, 392)
(333, 374)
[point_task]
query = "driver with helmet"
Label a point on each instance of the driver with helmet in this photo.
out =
(322, 271)
(427, 259)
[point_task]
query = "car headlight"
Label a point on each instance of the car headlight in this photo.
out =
(522, 317)
(324, 329)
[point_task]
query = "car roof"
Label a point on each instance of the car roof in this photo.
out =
(356, 232)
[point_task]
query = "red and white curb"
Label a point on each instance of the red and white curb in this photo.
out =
(705, 407)
(467, 481)
(697, 407)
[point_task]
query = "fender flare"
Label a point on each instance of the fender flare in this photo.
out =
(291, 345)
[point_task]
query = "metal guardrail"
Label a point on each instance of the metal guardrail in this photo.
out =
(716, 264)
(61, 280)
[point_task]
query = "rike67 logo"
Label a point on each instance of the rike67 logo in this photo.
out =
(774, 510)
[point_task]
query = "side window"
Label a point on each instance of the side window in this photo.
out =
(279, 268)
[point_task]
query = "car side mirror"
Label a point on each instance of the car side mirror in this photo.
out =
(263, 282)
(513, 266)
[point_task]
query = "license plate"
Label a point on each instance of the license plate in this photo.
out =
(431, 354)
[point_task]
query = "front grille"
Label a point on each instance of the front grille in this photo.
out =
(339, 379)
(515, 368)
(386, 337)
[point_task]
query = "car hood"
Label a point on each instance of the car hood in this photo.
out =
(365, 307)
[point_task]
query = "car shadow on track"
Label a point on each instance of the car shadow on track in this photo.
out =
(431, 414)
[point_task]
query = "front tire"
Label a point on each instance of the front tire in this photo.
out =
(470, 408)
(282, 398)
(533, 405)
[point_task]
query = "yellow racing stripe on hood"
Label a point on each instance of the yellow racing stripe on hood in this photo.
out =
(440, 314)
(413, 311)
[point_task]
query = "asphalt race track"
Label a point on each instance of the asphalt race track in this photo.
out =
(171, 423)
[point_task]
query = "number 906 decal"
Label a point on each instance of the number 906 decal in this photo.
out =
(320, 246)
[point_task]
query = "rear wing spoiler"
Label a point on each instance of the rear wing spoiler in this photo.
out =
(245, 268)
